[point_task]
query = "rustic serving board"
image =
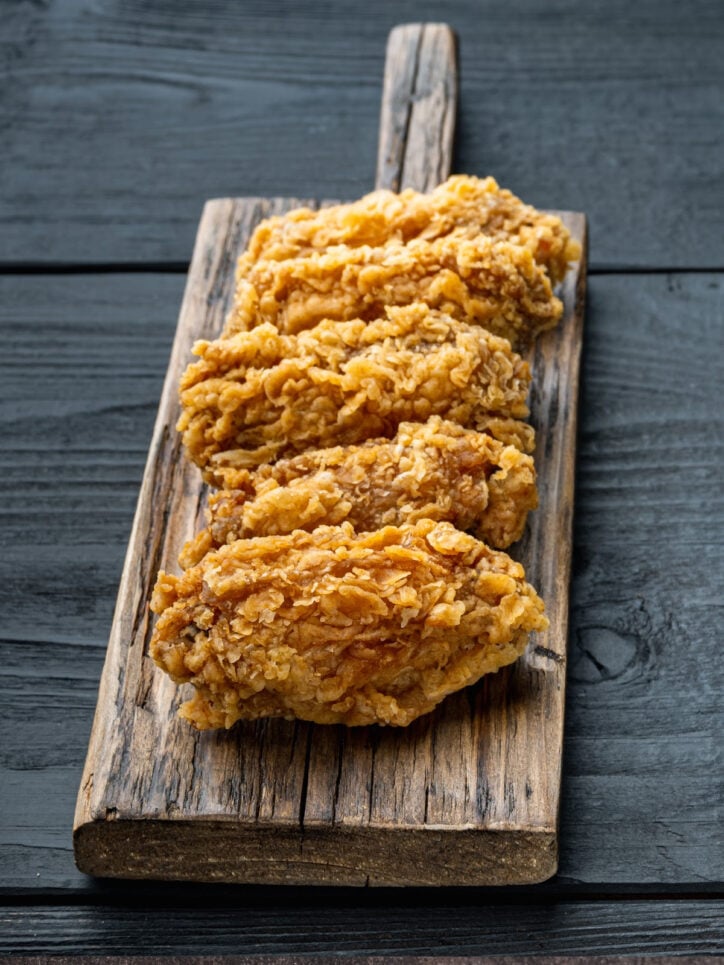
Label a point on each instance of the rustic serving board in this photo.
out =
(468, 794)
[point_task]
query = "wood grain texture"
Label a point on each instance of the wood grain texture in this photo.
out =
(119, 120)
(641, 783)
(377, 960)
(419, 101)
(467, 795)
(466, 928)
(648, 559)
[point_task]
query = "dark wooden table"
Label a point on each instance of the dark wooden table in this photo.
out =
(118, 120)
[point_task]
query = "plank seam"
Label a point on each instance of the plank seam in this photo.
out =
(229, 896)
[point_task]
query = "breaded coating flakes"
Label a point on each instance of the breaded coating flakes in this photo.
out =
(260, 395)
(466, 205)
(511, 432)
(433, 470)
(478, 280)
(334, 627)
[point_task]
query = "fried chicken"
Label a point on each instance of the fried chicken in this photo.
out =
(335, 627)
(479, 280)
(466, 205)
(433, 470)
(261, 395)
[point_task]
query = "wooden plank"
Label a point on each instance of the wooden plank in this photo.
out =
(642, 736)
(608, 111)
(477, 805)
(470, 926)
(419, 102)
(378, 960)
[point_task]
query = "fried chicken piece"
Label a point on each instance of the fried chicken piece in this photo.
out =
(490, 283)
(466, 205)
(511, 432)
(433, 470)
(261, 395)
(338, 628)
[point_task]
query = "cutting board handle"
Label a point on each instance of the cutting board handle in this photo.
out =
(419, 103)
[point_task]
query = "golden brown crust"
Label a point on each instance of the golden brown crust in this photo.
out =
(511, 432)
(335, 627)
(478, 280)
(434, 470)
(464, 204)
(259, 395)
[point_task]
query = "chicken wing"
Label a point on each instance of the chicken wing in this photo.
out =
(334, 627)
(433, 470)
(261, 395)
(490, 283)
(467, 205)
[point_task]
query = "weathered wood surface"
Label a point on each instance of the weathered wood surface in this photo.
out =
(377, 960)
(419, 101)
(468, 795)
(261, 959)
(463, 928)
(120, 120)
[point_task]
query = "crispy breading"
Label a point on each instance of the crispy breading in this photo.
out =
(491, 283)
(335, 627)
(433, 470)
(511, 432)
(463, 204)
(260, 395)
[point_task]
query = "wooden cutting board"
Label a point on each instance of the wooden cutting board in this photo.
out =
(468, 794)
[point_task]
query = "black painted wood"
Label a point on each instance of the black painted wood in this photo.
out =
(374, 960)
(644, 723)
(83, 364)
(645, 719)
(119, 119)
(475, 928)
